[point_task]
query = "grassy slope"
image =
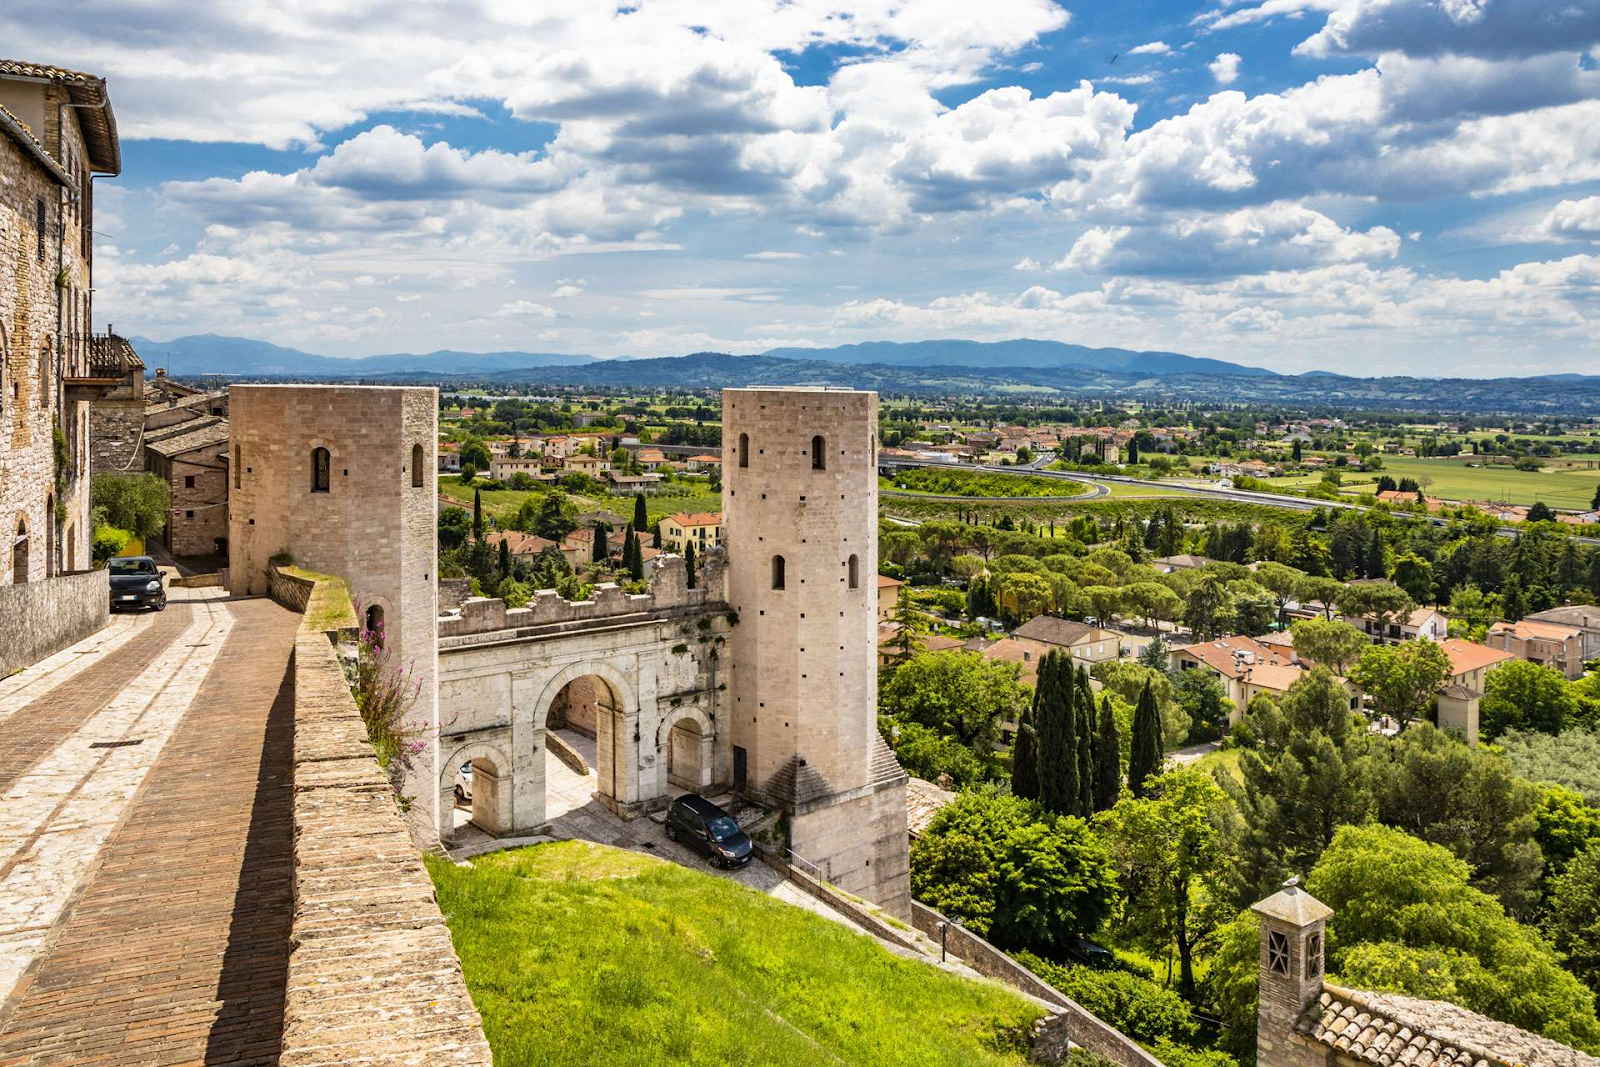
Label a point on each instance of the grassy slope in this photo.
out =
(505, 502)
(582, 954)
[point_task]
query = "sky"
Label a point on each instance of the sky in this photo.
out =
(1364, 186)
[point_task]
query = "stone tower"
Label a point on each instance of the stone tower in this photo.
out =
(1293, 937)
(342, 478)
(800, 521)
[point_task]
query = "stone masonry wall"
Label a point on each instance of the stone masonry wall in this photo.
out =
(373, 975)
(196, 534)
(43, 617)
(115, 430)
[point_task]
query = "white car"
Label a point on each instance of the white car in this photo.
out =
(464, 783)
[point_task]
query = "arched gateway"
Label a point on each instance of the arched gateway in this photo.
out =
(636, 677)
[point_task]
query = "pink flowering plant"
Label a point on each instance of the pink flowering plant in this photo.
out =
(385, 693)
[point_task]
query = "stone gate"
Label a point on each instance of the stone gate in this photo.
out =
(641, 674)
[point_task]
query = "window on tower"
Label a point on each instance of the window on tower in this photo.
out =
(855, 572)
(744, 450)
(777, 572)
(819, 459)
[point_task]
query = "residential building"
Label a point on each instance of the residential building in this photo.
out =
(1023, 654)
(501, 468)
(634, 483)
(888, 596)
(699, 528)
(582, 463)
(116, 418)
(449, 457)
(192, 458)
(704, 463)
(1470, 662)
(888, 633)
(1248, 668)
(1585, 618)
(1548, 644)
(1427, 624)
(1181, 562)
(57, 130)
(650, 458)
(1085, 643)
(529, 546)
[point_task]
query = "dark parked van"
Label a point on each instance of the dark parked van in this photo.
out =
(706, 828)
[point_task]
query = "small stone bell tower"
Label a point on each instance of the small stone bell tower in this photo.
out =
(1293, 937)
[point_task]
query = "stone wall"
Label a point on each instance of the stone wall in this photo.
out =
(1073, 1023)
(116, 434)
(290, 590)
(43, 617)
(373, 975)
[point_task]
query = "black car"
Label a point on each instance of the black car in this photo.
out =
(136, 583)
(706, 828)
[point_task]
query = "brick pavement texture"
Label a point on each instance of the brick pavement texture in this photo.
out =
(175, 949)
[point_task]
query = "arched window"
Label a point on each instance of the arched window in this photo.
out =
(744, 450)
(416, 466)
(238, 464)
(819, 459)
(777, 572)
(375, 624)
(855, 572)
(320, 464)
(19, 555)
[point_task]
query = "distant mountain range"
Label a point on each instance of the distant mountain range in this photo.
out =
(1023, 369)
(213, 354)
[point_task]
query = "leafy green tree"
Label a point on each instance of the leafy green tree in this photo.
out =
(1437, 789)
(1310, 775)
(1025, 759)
(1013, 874)
(1474, 610)
(1574, 923)
(1204, 699)
(1571, 759)
(1330, 642)
(1251, 609)
(955, 693)
(137, 503)
(1230, 983)
(1107, 784)
(475, 452)
(1056, 720)
(1148, 749)
(1206, 613)
(1320, 589)
(927, 754)
(468, 475)
(911, 623)
(1519, 694)
(514, 593)
(1020, 596)
(505, 559)
(1414, 574)
(454, 527)
(1401, 679)
(633, 556)
(1282, 581)
(1384, 601)
(1127, 680)
(1406, 918)
(1174, 853)
(1541, 512)
(1566, 825)
(1156, 655)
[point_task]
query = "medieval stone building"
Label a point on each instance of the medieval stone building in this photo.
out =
(800, 513)
(56, 131)
(1305, 1021)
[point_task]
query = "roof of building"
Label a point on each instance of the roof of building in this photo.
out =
(1220, 655)
(19, 132)
(1583, 616)
(1468, 656)
(1007, 650)
(923, 801)
(188, 436)
(1053, 631)
(1458, 692)
(1536, 628)
(705, 459)
(95, 116)
(114, 354)
(1293, 905)
(1184, 559)
(1390, 1030)
(1274, 676)
(520, 543)
(886, 582)
(697, 518)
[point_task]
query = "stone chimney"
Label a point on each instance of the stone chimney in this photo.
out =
(1292, 941)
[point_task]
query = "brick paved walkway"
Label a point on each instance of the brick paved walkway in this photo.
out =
(171, 858)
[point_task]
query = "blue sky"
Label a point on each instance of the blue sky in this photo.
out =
(1370, 186)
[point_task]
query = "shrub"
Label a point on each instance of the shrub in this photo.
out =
(109, 541)
(137, 502)
(1136, 1006)
(384, 695)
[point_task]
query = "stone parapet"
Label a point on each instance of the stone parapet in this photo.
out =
(669, 592)
(41, 618)
(1073, 1024)
(373, 975)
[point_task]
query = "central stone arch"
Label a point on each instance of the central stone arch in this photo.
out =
(615, 728)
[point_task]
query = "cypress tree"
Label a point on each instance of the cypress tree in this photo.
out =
(1047, 721)
(600, 551)
(627, 547)
(1145, 760)
(477, 516)
(1085, 753)
(636, 560)
(1025, 758)
(655, 540)
(640, 520)
(505, 558)
(688, 562)
(1107, 758)
(1058, 745)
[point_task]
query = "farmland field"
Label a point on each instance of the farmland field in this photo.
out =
(1571, 488)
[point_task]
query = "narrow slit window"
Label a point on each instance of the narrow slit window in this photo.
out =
(321, 464)
(416, 466)
(819, 458)
(777, 572)
(238, 465)
(744, 450)
(855, 572)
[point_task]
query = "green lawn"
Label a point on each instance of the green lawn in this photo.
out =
(505, 502)
(581, 954)
(1454, 480)
(1226, 758)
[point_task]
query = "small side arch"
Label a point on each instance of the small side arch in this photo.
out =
(416, 466)
(492, 785)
